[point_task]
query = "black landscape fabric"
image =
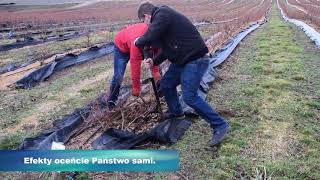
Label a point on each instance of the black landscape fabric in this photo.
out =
(43, 73)
(28, 41)
(61, 131)
(169, 131)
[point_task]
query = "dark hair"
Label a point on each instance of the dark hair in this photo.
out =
(145, 8)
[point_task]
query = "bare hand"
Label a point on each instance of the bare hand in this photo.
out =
(148, 62)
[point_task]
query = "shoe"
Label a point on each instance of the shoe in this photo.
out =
(168, 115)
(219, 136)
(111, 105)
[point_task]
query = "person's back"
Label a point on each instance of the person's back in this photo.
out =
(125, 38)
(181, 41)
(125, 51)
(183, 37)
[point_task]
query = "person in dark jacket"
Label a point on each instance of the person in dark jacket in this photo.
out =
(183, 46)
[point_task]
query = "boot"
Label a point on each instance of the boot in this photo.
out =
(218, 136)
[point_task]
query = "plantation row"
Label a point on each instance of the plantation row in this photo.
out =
(226, 17)
(107, 12)
(36, 109)
(308, 11)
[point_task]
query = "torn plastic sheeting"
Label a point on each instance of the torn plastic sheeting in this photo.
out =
(61, 131)
(32, 41)
(310, 32)
(13, 67)
(43, 73)
(169, 131)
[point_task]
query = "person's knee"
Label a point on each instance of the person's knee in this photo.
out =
(117, 79)
(189, 98)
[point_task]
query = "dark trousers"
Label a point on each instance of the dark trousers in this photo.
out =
(189, 76)
(120, 61)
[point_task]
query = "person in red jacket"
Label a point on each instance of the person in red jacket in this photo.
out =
(125, 50)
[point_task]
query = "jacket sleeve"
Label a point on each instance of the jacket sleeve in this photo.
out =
(147, 52)
(135, 66)
(159, 59)
(159, 24)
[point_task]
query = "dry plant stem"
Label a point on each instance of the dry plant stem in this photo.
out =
(123, 119)
(183, 176)
(142, 99)
(143, 115)
(91, 136)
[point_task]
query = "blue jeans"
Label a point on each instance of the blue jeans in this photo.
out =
(120, 61)
(189, 76)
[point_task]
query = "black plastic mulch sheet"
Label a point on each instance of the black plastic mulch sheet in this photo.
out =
(61, 131)
(169, 131)
(13, 67)
(19, 44)
(43, 73)
(31, 41)
(28, 42)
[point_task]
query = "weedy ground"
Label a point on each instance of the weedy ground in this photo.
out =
(270, 93)
(268, 90)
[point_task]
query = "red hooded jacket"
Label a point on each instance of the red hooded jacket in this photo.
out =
(124, 40)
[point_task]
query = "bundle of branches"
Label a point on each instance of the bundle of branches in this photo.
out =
(134, 114)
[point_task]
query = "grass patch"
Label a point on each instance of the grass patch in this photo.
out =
(17, 105)
(274, 130)
(11, 141)
(314, 104)
(277, 84)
